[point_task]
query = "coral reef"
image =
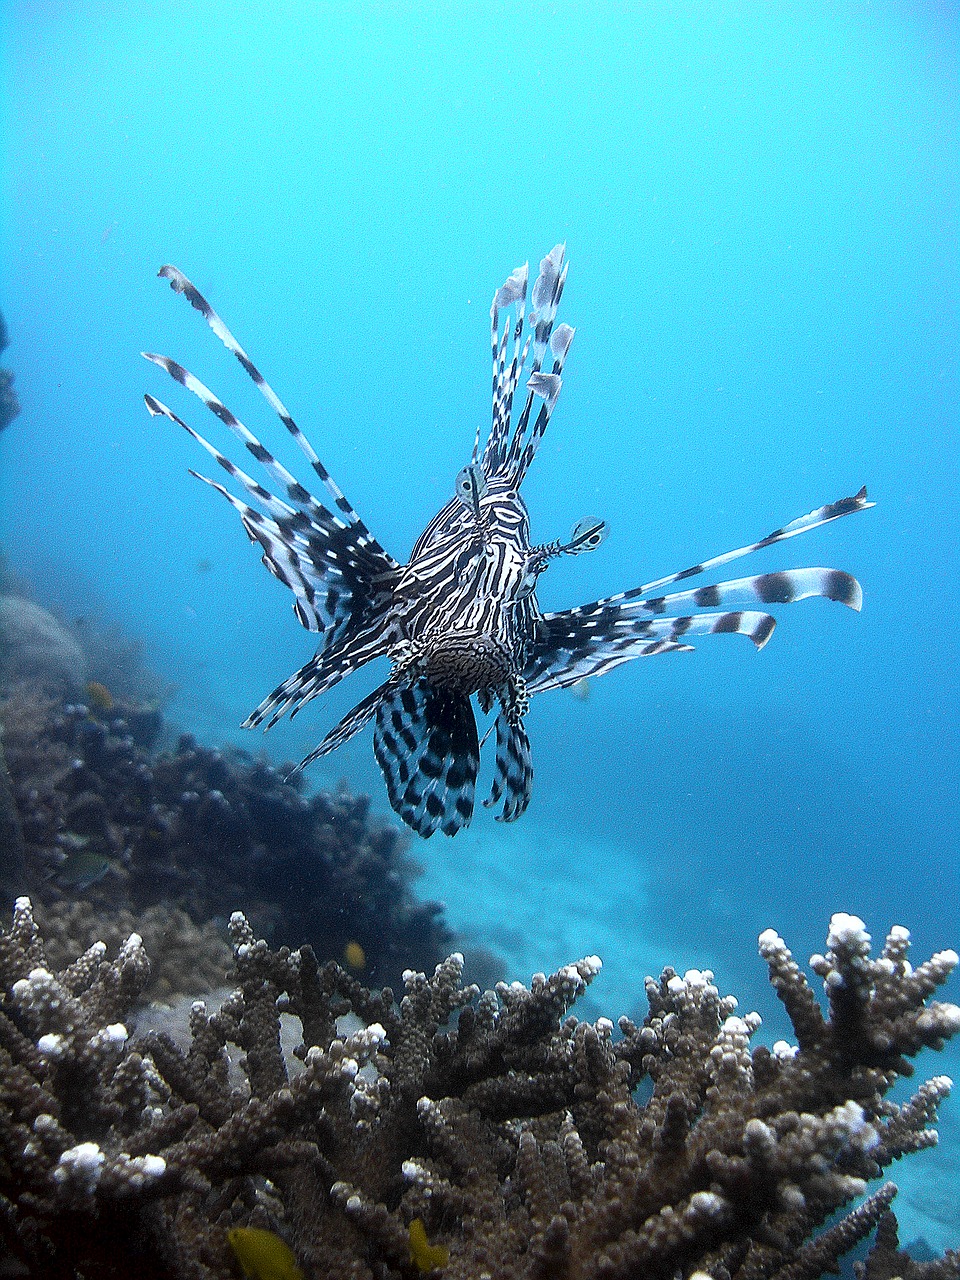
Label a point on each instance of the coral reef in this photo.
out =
(887, 1261)
(107, 818)
(184, 956)
(489, 1136)
(9, 404)
(35, 647)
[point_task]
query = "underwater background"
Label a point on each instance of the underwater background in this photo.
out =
(760, 209)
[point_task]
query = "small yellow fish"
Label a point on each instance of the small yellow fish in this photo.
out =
(263, 1255)
(580, 689)
(99, 696)
(424, 1255)
(355, 956)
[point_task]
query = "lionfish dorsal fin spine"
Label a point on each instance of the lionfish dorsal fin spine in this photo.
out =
(512, 293)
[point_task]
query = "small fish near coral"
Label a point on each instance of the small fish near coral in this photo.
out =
(461, 618)
(263, 1255)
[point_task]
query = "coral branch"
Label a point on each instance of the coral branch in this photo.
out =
(478, 1134)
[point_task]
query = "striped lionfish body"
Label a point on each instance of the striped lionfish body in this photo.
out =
(461, 618)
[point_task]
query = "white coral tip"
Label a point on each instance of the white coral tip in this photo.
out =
(82, 1163)
(846, 930)
(153, 1166)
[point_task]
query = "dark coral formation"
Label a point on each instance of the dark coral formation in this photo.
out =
(887, 1261)
(510, 1130)
(106, 816)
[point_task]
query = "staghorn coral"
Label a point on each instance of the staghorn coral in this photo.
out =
(185, 956)
(199, 830)
(492, 1132)
(887, 1261)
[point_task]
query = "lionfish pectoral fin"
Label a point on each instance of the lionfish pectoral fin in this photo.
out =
(785, 587)
(514, 770)
(326, 668)
(803, 524)
(351, 724)
(589, 642)
(425, 741)
(328, 558)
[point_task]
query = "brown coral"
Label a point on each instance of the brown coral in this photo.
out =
(511, 1130)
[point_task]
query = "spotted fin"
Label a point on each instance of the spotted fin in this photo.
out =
(514, 770)
(425, 741)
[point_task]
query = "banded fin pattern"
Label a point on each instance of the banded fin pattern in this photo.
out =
(511, 461)
(322, 565)
(326, 668)
(578, 644)
(514, 770)
(425, 741)
(349, 725)
(597, 637)
(803, 524)
(180, 284)
(784, 587)
(462, 618)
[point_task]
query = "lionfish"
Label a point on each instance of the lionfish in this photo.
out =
(461, 617)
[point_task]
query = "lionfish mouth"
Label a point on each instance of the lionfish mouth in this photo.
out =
(467, 663)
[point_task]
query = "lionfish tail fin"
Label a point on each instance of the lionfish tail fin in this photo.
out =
(425, 741)
(513, 778)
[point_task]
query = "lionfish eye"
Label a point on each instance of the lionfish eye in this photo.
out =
(586, 535)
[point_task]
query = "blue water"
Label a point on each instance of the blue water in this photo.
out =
(760, 208)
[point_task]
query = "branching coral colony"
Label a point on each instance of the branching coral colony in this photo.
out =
(490, 1135)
